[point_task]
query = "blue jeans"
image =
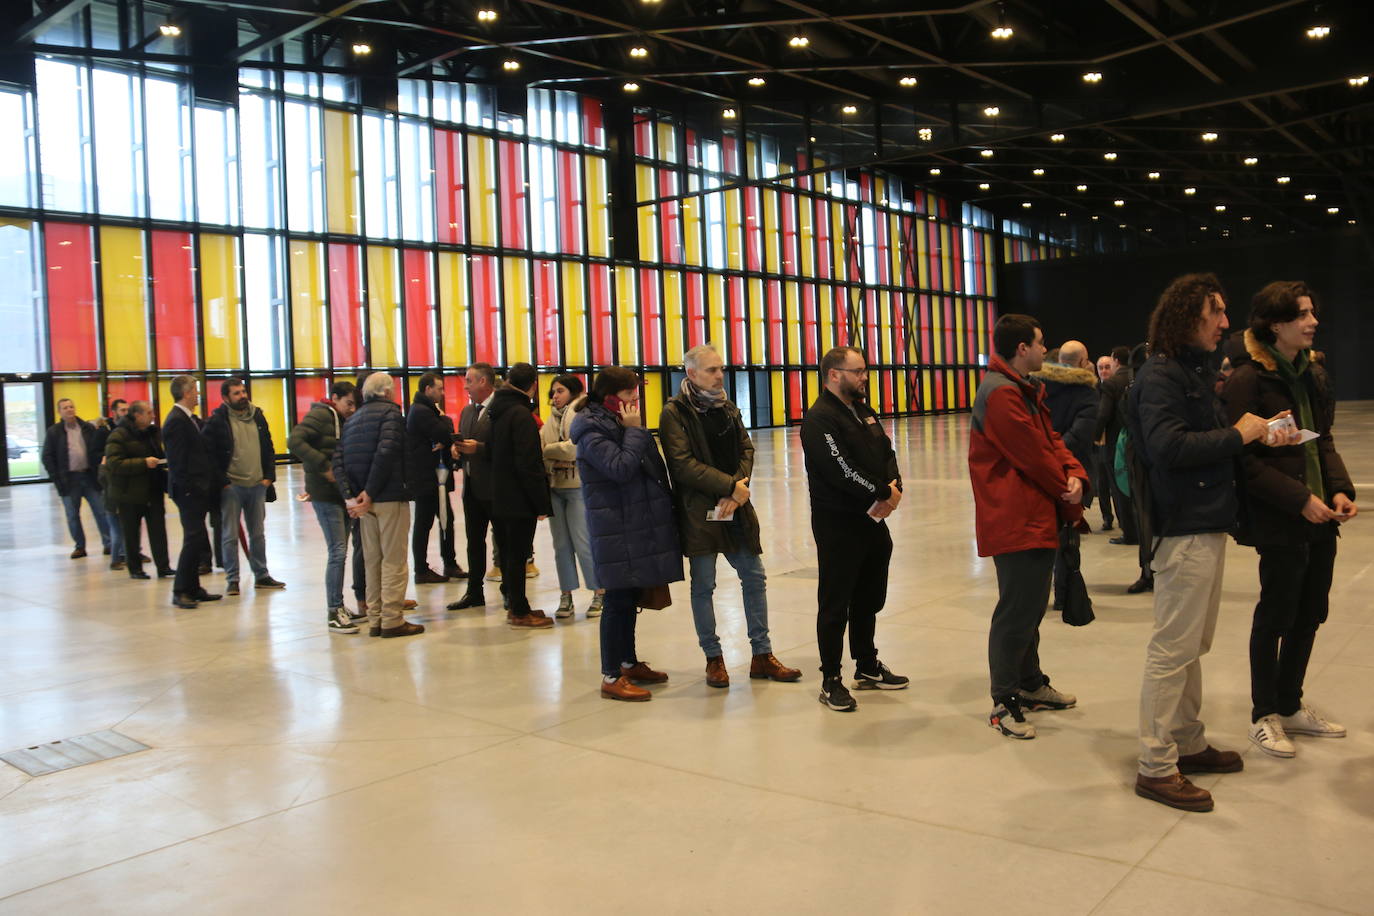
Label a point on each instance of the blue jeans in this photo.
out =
(333, 519)
(79, 486)
(116, 535)
(618, 615)
(571, 545)
(751, 577)
(252, 503)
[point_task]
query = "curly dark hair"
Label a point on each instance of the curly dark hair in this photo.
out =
(1275, 304)
(1174, 322)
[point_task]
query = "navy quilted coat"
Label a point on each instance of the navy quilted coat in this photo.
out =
(629, 503)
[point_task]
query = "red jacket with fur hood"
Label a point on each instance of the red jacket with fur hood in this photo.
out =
(1018, 465)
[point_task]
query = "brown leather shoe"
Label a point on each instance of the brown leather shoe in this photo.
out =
(534, 620)
(405, 629)
(768, 666)
(1211, 760)
(716, 675)
(622, 689)
(641, 673)
(428, 576)
(1175, 791)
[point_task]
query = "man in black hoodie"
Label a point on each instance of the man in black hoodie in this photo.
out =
(852, 476)
(429, 434)
(519, 488)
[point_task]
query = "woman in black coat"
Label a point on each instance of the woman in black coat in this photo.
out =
(630, 520)
(1295, 499)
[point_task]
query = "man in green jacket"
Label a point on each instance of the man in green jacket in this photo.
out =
(313, 441)
(710, 458)
(134, 464)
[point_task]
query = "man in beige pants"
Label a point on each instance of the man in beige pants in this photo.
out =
(369, 467)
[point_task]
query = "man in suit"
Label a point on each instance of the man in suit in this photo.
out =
(429, 434)
(474, 428)
(193, 483)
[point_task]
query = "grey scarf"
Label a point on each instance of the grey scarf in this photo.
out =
(701, 399)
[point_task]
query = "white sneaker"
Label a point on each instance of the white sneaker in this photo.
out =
(1268, 735)
(1008, 719)
(1046, 697)
(1307, 721)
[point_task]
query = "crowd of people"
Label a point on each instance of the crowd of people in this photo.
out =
(1179, 449)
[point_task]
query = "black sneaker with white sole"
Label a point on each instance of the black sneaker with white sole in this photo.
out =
(340, 622)
(880, 678)
(834, 695)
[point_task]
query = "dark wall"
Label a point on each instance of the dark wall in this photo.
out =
(1106, 300)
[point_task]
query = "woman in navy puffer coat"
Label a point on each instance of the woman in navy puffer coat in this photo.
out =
(630, 520)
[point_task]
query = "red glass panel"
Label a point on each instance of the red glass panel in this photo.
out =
(795, 403)
(455, 397)
(570, 203)
(450, 193)
(881, 225)
(210, 397)
(887, 399)
(933, 253)
(130, 389)
(691, 139)
(788, 204)
(871, 344)
(486, 309)
(644, 136)
(174, 300)
(939, 380)
(546, 314)
(308, 391)
(956, 259)
(345, 304)
(899, 349)
(650, 319)
(593, 130)
(854, 245)
(822, 226)
(753, 230)
(71, 296)
(419, 305)
(729, 154)
(809, 355)
(950, 353)
(926, 337)
(696, 310)
(513, 194)
(603, 319)
(840, 303)
(669, 219)
(739, 331)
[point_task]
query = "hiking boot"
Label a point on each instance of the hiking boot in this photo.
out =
(716, 675)
(768, 666)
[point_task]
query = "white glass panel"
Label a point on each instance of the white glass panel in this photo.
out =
(304, 168)
(217, 167)
(417, 181)
(261, 159)
(119, 143)
(65, 135)
(169, 150)
(265, 296)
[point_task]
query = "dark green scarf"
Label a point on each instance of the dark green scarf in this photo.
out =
(1292, 374)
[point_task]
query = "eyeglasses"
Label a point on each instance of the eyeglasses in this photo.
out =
(859, 372)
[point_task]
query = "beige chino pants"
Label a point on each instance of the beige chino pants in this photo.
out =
(385, 531)
(1188, 571)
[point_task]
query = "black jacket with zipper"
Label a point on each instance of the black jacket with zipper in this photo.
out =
(519, 486)
(849, 459)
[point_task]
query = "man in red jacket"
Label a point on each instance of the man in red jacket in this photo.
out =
(1024, 481)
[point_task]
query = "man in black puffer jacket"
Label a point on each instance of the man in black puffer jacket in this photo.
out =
(519, 488)
(369, 467)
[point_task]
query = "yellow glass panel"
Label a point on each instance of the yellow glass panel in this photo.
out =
(807, 236)
(542, 399)
(574, 308)
(715, 315)
(384, 306)
(901, 392)
(598, 210)
(515, 309)
(897, 244)
(825, 308)
(922, 255)
(757, 326)
(691, 231)
(220, 316)
(772, 233)
(269, 395)
(667, 143)
(626, 316)
(778, 384)
(927, 381)
(792, 326)
(734, 255)
(165, 399)
(946, 261)
(123, 286)
(453, 308)
(653, 399)
(341, 171)
(884, 325)
(837, 243)
(672, 315)
(647, 216)
(308, 307)
(482, 179)
(86, 395)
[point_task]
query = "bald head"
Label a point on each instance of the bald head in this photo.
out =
(1073, 354)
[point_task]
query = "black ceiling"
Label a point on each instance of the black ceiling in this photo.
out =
(1171, 71)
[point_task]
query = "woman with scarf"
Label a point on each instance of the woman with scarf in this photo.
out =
(630, 521)
(1296, 497)
(568, 524)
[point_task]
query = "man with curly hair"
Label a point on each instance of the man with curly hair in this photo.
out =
(1190, 453)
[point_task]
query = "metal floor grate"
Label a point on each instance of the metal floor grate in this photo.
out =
(67, 753)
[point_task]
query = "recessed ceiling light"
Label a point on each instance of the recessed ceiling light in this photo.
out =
(1252, 160)
(172, 30)
(1283, 179)
(1026, 204)
(1203, 228)
(926, 134)
(1095, 217)
(935, 171)
(799, 41)
(510, 65)
(756, 81)
(1210, 136)
(1149, 229)
(1064, 213)
(1319, 31)
(486, 15)
(1082, 187)
(1245, 219)
(985, 187)
(1002, 32)
(1056, 138)
(1190, 191)
(1121, 225)
(1153, 176)
(1037, 171)
(850, 109)
(728, 113)
(992, 111)
(1118, 203)
(639, 51)
(1092, 76)
(1333, 209)
(1110, 157)
(907, 81)
(1220, 208)
(1309, 197)
(986, 153)
(631, 87)
(362, 48)
(1350, 221)
(1358, 81)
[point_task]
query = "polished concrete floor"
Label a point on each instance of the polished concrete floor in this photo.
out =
(475, 769)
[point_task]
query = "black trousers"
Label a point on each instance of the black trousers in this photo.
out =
(195, 544)
(476, 519)
(1101, 473)
(1295, 586)
(359, 563)
(426, 512)
(1125, 511)
(1023, 588)
(515, 537)
(852, 553)
(131, 518)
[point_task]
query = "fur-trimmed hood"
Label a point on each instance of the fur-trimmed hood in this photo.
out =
(1066, 375)
(1259, 353)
